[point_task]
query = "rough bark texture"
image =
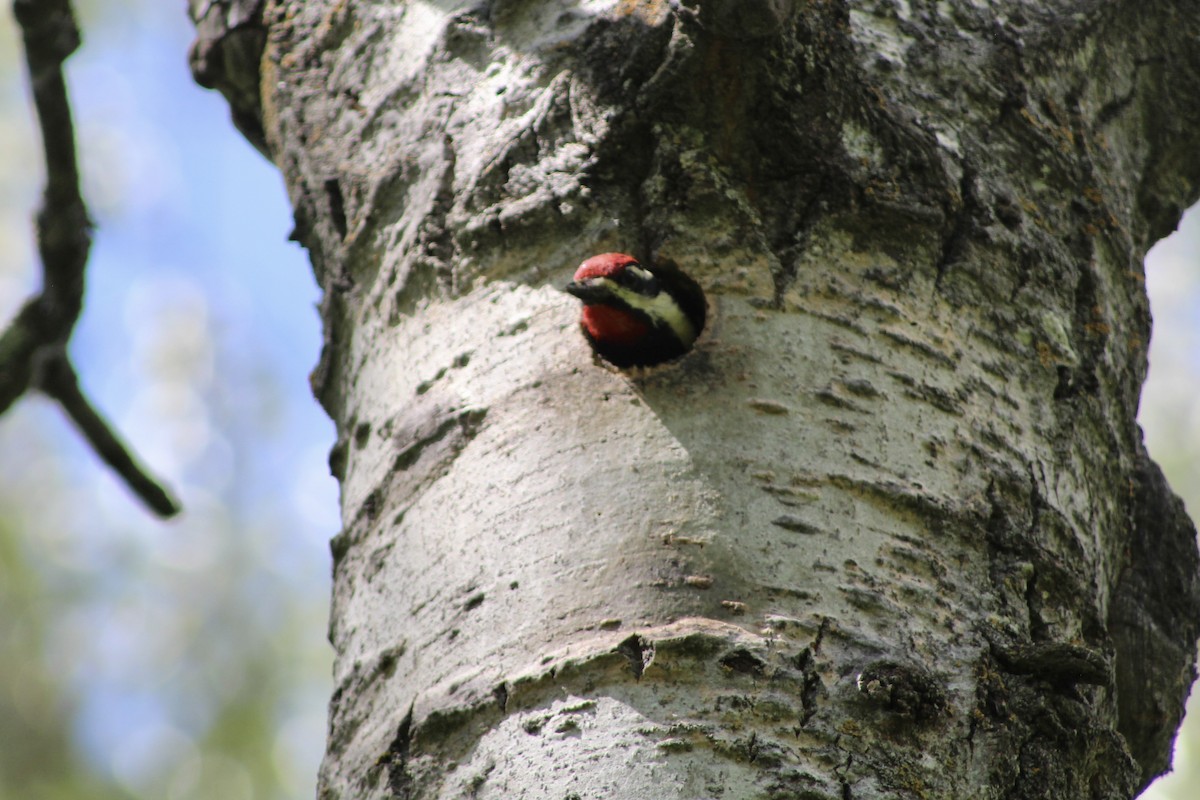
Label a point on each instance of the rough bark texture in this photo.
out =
(889, 531)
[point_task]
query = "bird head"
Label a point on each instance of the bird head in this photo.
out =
(632, 315)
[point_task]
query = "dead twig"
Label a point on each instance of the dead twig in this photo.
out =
(33, 350)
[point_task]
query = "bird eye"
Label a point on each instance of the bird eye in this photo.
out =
(640, 280)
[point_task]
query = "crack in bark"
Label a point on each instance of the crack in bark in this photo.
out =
(821, 630)
(810, 684)
(955, 243)
(400, 781)
(841, 770)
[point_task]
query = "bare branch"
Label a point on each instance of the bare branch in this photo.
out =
(56, 377)
(33, 348)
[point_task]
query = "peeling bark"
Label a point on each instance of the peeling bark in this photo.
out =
(888, 531)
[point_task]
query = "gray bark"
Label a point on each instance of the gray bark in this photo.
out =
(888, 531)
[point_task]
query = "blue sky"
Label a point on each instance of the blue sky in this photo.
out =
(198, 334)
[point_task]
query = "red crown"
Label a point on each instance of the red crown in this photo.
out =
(604, 265)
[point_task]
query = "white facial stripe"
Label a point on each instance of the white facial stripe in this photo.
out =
(660, 307)
(638, 271)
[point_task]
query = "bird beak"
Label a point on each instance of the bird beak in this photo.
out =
(586, 291)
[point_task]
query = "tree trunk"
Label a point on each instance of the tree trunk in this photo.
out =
(889, 530)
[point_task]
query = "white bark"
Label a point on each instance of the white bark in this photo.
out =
(889, 531)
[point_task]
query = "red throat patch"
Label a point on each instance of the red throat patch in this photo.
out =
(613, 325)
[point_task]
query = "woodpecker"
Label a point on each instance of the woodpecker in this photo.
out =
(635, 316)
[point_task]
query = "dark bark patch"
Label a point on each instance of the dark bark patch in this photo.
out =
(638, 652)
(1075, 382)
(339, 545)
(861, 387)
(831, 398)
(922, 348)
(453, 430)
(791, 522)
(362, 434)
(939, 398)
(1059, 663)
(441, 725)
(1154, 618)
(337, 206)
(903, 690)
(400, 781)
(500, 692)
(769, 407)
(743, 661)
(337, 459)
(811, 685)
(370, 505)
(388, 660)
(479, 779)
